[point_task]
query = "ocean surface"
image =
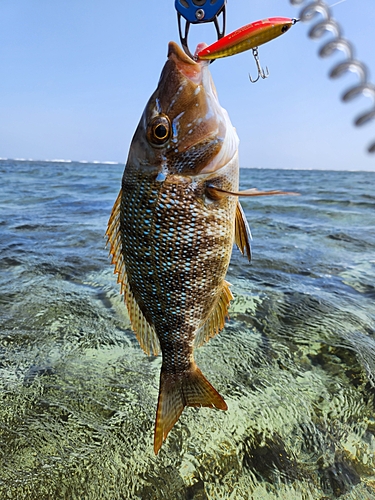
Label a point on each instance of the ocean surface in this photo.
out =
(295, 363)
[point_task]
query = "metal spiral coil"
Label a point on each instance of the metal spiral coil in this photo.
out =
(364, 87)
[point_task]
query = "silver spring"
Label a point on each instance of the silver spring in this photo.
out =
(364, 87)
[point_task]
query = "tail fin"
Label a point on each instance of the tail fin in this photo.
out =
(177, 391)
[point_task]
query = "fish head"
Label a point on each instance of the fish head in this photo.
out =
(183, 129)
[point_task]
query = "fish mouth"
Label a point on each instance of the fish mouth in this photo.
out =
(187, 66)
(175, 50)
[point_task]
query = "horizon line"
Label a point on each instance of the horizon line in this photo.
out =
(109, 162)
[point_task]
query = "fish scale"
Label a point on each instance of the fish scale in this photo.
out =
(172, 229)
(178, 274)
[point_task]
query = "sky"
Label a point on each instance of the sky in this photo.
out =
(76, 76)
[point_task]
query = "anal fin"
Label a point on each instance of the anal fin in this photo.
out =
(144, 332)
(216, 320)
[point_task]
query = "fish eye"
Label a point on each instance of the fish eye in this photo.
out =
(159, 130)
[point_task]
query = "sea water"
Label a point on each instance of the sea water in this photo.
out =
(295, 363)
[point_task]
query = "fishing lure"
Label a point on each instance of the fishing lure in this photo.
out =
(248, 37)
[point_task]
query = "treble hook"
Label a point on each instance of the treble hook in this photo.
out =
(261, 73)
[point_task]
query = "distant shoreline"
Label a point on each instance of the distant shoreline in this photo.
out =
(115, 163)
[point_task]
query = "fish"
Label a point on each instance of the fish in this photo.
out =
(172, 229)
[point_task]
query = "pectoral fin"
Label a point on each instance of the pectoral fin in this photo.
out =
(242, 231)
(217, 193)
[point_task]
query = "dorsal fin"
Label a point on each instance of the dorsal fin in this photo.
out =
(144, 332)
(242, 235)
(216, 320)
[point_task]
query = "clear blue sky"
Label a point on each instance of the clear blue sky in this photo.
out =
(76, 75)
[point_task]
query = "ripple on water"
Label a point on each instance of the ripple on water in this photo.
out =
(295, 362)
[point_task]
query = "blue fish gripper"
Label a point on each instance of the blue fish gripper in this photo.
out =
(199, 11)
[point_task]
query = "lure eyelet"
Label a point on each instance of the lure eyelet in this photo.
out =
(159, 131)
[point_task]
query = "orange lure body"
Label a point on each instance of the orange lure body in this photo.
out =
(246, 38)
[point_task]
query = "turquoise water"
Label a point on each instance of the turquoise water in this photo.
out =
(296, 362)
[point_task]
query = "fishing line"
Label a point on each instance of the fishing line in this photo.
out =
(334, 4)
(364, 87)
